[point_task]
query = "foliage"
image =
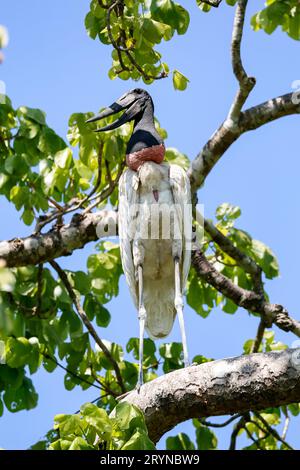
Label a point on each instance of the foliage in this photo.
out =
(134, 28)
(93, 429)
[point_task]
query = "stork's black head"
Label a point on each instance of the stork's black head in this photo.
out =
(134, 102)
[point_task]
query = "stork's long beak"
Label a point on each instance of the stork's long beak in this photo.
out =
(128, 102)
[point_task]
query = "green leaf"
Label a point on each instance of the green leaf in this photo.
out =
(97, 418)
(128, 417)
(179, 442)
(139, 441)
(17, 351)
(67, 425)
(264, 256)
(227, 212)
(82, 282)
(172, 354)
(175, 157)
(180, 81)
(28, 216)
(229, 306)
(63, 158)
(31, 113)
(22, 398)
(206, 439)
(149, 349)
(171, 13)
(80, 444)
(7, 280)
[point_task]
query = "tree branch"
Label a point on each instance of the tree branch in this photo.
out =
(59, 241)
(227, 386)
(246, 83)
(250, 300)
(225, 136)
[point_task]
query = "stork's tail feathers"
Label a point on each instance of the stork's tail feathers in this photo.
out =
(160, 308)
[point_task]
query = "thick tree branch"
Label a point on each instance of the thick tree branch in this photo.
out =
(225, 136)
(59, 241)
(250, 300)
(234, 385)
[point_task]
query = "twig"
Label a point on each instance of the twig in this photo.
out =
(219, 425)
(272, 430)
(102, 384)
(124, 49)
(259, 336)
(87, 322)
(106, 192)
(69, 371)
(256, 441)
(239, 425)
(39, 289)
(68, 208)
(93, 401)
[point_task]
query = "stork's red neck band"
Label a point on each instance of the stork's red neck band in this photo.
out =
(154, 154)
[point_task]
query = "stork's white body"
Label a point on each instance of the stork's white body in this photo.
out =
(154, 189)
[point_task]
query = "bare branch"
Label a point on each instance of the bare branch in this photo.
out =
(234, 385)
(219, 425)
(87, 322)
(246, 83)
(225, 136)
(259, 336)
(237, 428)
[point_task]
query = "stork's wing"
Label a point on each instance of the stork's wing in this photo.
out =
(128, 199)
(180, 184)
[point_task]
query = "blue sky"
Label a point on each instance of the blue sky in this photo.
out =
(52, 64)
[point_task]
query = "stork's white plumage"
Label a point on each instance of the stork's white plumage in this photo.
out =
(155, 223)
(152, 251)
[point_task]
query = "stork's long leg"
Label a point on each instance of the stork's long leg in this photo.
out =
(142, 318)
(179, 310)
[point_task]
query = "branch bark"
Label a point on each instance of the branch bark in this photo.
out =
(227, 386)
(59, 241)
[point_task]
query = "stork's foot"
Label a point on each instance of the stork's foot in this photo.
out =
(124, 395)
(138, 386)
(137, 389)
